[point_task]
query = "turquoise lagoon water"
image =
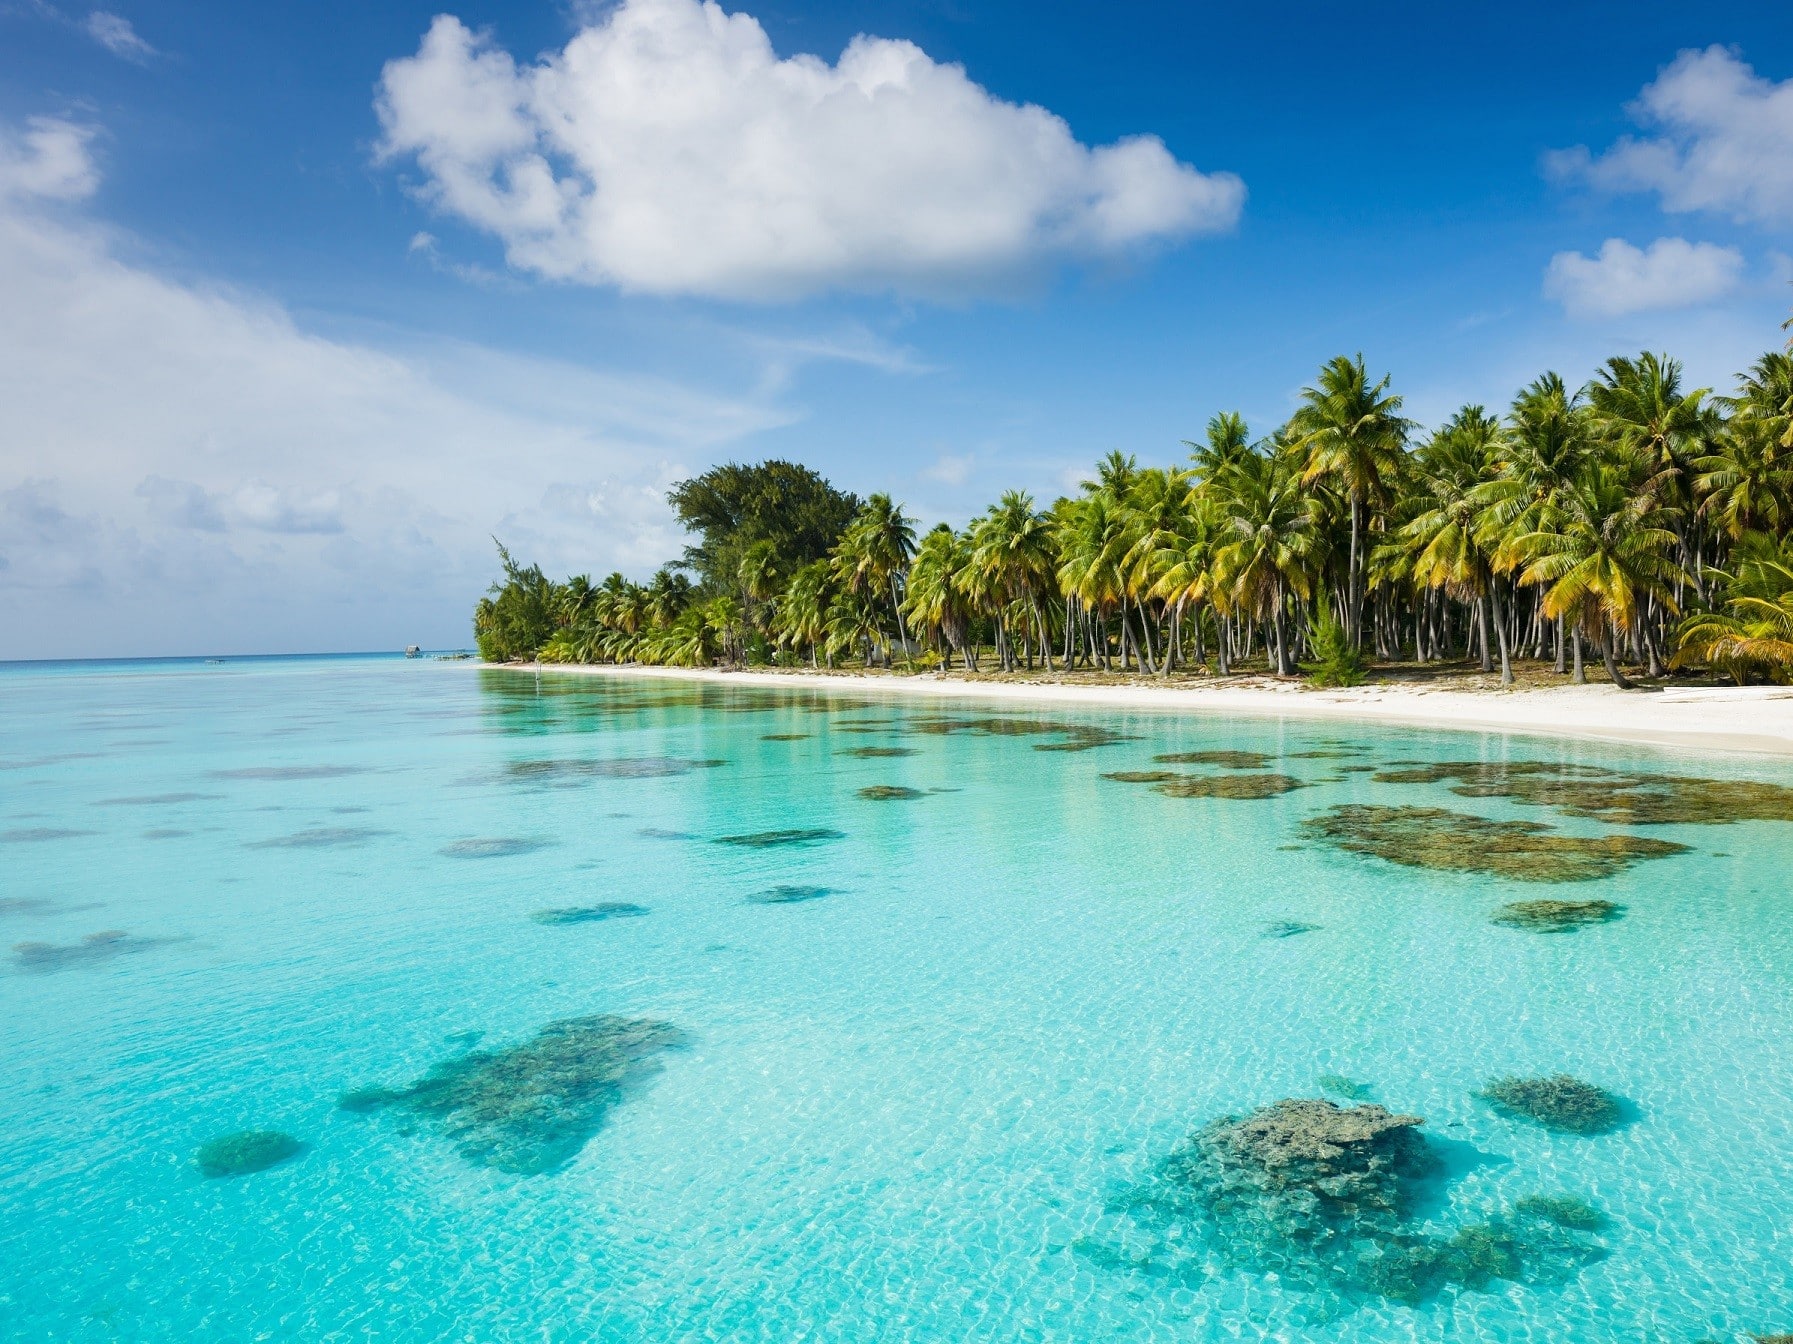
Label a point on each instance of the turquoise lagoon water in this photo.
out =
(903, 1111)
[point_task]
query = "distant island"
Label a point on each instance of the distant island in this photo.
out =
(1633, 521)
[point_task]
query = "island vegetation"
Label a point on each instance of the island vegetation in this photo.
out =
(1634, 521)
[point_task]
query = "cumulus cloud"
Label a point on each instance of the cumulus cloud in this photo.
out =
(49, 160)
(667, 149)
(1723, 142)
(1670, 273)
(949, 470)
(115, 34)
(184, 468)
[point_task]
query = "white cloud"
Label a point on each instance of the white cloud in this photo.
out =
(1725, 142)
(1670, 273)
(182, 468)
(115, 34)
(949, 470)
(48, 161)
(668, 150)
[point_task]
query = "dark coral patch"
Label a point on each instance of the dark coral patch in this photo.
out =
(1227, 760)
(1229, 786)
(796, 836)
(572, 773)
(320, 837)
(493, 847)
(27, 905)
(1563, 1210)
(1556, 1101)
(1321, 1196)
(588, 914)
(245, 1153)
(789, 895)
(1525, 851)
(531, 1108)
(1627, 799)
(94, 948)
(1076, 736)
(289, 772)
(157, 799)
(1556, 916)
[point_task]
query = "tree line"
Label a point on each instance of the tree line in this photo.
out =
(1633, 521)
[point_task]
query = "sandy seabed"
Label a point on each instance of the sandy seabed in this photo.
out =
(1711, 718)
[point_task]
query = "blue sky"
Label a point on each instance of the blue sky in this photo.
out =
(303, 303)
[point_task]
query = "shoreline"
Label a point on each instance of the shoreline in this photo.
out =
(1754, 720)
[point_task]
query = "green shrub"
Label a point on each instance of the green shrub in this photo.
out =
(1337, 660)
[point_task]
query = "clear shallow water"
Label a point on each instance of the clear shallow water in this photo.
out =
(905, 1108)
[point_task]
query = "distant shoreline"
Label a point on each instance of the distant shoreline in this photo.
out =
(1756, 719)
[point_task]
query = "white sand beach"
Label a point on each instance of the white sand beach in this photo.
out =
(1755, 719)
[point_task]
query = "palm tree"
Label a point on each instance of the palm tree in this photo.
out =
(1754, 632)
(1224, 446)
(1604, 561)
(1160, 524)
(802, 613)
(1262, 557)
(1094, 539)
(1449, 542)
(936, 602)
(1645, 416)
(1014, 558)
(853, 621)
(1351, 432)
(1746, 481)
(874, 552)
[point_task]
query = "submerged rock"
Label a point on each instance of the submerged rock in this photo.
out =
(1296, 1188)
(94, 948)
(885, 793)
(1320, 1196)
(1556, 916)
(1076, 736)
(531, 1108)
(1526, 851)
(321, 837)
(789, 895)
(493, 847)
(588, 914)
(1228, 786)
(565, 773)
(287, 772)
(1227, 760)
(157, 799)
(246, 1152)
(1623, 798)
(1556, 1101)
(812, 835)
(1564, 1210)
(27, 905)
